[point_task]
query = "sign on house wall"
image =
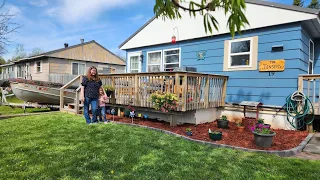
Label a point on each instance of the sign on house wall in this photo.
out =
(272, 65)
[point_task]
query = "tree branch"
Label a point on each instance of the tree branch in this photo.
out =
(174, 2)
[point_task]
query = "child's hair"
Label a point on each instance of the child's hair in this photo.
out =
(101, 92)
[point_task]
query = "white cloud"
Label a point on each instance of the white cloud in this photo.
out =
(39, 3)
(75, 11)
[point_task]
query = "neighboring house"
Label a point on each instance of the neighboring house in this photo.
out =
(65, 63)
(276, 32)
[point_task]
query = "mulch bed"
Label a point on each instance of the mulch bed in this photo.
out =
(284, 139)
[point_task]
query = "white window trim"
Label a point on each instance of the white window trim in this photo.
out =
(163, 59)
(161, 56)
(311, 59)
(85, 67)
(250, 53)
(36, 67)
(139, 53)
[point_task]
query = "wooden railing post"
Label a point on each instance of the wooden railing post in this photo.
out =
(136, 91)
(206, 92)
(177, 86)
(113, 99)
(224, 91)
(300, 84)
(184, 92)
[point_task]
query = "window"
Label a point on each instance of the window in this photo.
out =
(38, 67)
(311, 57)
(171, 59)
(241, 54)
(78, 69)
(154, 61)
(20, 73)
(134, 62)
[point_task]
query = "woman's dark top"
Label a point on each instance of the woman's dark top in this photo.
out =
(91, 87)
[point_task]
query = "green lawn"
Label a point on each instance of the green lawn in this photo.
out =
(7, 110)
(62, 146)
(14, 99)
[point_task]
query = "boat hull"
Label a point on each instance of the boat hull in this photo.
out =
(41, 94)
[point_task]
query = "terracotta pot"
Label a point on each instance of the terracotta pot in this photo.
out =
(121, 114)
(241, 128)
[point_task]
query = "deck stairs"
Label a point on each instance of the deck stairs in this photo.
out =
(71, 108)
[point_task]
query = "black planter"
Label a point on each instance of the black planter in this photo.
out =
(109, 93)
(216, 136)
(263, 140)
(222, 123)
(189, 133)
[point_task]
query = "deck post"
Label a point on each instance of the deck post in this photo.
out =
(206, 92)
(184, 92)
(136, 91)
(224, 91)
(177, 87)
(112, 98)
(61, 99)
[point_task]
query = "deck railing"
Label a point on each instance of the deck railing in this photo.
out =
(194, 90)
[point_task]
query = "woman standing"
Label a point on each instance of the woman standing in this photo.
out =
(90, 94)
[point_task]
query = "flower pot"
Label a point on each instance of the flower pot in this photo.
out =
(109, 93)
(222, 123)
(189, 133)
(241, 128)
(121, 114)
(263, 140)
(139, 115)
(145, 116)
(216, 136)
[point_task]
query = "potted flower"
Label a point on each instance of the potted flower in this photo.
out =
(164, 102)
(189, 132)
(263, 136)
(240, 127)
(261, 121)
(215, 135)
(127, 111)
(109, 89)
(223, 122)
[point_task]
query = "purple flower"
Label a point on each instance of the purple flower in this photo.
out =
(260, 125)
(253, 128)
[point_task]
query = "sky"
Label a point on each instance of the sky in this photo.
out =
(48, 24)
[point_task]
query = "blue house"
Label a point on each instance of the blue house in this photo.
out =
(276, 32)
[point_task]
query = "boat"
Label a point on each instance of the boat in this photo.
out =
(41, 92)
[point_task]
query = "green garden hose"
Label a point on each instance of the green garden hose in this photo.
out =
(296, 117)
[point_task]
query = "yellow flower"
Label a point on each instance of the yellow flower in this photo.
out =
(112, 172)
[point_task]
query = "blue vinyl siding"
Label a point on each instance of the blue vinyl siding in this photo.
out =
(249, 85)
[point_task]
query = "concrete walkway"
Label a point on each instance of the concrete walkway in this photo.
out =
(312, 149)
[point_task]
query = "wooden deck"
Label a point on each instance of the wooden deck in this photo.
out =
(194, 90)
(310, 85)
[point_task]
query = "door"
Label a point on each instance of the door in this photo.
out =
(134, 63)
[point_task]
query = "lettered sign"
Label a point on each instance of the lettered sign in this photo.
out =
(272, 65)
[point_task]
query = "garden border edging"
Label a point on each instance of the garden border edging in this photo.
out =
(282, 153)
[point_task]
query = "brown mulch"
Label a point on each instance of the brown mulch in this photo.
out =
(284, 139)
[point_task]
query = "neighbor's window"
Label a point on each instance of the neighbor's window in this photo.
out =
(154, 61)
(171, 59)
(78, 69)
(38, 66)
(240, 52)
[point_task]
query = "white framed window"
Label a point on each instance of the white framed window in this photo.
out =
(134, 62)
(20, 71)
(240, 53)
(171, 59)
(154, 60)
(38, 66)
(311, 57)
(78, 68)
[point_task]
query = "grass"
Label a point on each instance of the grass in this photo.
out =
(62, 146)
(14, 99)
(7, 110)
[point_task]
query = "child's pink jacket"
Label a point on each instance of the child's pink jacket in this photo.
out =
(103, 100)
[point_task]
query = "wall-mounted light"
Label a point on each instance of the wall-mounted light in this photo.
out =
(277, 48)
(141, 57)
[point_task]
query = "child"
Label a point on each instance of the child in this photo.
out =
(102, 106)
